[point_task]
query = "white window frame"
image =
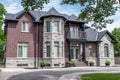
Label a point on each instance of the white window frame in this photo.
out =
(48, 44)
(56, 31)
(48, 27)
(23, 45)
(58, 54)
(26, 27)
(106, 46)
(89, 52)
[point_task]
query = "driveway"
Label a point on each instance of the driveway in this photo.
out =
(54, 74)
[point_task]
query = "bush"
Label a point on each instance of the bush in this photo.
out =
(0, 70)
(71, 63)
(43, 63)
(107, 63)
(91, 63)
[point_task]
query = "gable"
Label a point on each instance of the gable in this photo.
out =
(108, 37)
(23, 13)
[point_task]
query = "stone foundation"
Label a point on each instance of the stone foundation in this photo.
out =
(19, 62)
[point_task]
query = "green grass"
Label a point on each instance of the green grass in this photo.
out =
(101, 76)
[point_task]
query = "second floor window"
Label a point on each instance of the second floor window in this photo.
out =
(48, 26)
(22, 50)
(25, 27)
(74, 32)
(56, 26)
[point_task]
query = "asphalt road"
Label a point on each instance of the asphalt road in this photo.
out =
(45, 75)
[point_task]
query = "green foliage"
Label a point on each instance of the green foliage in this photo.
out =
(101, 76)
(91, 62)
(107, 62)
(0, 70)
(96, 11)
(2, 13)
(116, 34)
(29, 5)
(2, 35)
(71, 61)
(43, 63)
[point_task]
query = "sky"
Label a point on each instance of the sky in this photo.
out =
(14, 6)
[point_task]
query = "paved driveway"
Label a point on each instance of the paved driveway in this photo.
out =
(57, 74)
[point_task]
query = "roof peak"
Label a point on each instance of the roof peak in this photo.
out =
(53, 10)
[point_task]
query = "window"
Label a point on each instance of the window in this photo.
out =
(22, 65)
(25, 27)
(90, 51)
(56, 26)
(22, 50)
(106, 50)
(56, 65)
(48, 26)
(74, 32)
(48, 49)
(56, 49)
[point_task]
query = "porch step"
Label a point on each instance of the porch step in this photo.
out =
(80, 64)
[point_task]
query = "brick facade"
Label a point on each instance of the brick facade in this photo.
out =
(37, 38)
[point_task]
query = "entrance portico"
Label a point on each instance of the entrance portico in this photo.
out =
(76, 51)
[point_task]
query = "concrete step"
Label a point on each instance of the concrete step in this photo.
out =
(80, 63)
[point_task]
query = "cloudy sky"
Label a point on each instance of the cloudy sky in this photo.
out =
(14, 6)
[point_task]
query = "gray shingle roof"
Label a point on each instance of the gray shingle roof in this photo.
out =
(101, 34)
(37, 15)
(93, 35)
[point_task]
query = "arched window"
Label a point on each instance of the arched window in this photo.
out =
(106, 50)
(90, 51)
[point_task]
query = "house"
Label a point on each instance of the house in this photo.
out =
(55, 38)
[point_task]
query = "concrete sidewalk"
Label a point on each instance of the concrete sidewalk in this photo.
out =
(8, 72)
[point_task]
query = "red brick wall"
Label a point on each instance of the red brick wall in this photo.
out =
(66, 41)
(94, 49)
(14, 35)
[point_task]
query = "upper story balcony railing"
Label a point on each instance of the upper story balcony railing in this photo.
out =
(76, 35)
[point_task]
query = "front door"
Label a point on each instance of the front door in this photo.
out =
(74, 53)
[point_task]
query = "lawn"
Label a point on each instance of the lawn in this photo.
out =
(0, 70)
(101, 76)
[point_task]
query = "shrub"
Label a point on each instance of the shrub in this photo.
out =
(107, 63)
(91, 63)
(43, 63)
(0, 70)
(71, 63)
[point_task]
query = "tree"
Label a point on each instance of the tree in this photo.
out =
(95, 11)
(116, 34)
(2, 35)
(33, 4)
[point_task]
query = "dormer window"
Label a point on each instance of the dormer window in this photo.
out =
(25, 26)
(56, 27)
